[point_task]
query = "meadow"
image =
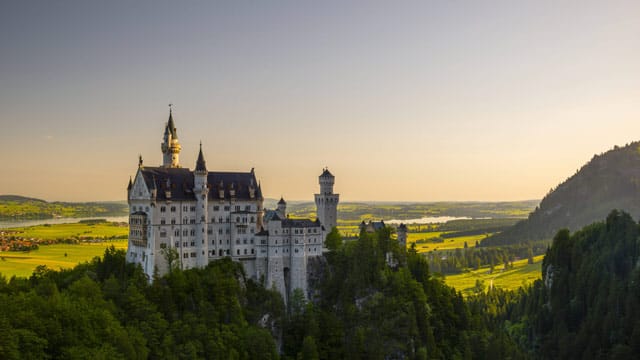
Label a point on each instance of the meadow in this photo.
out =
(54, 256)
(521, 274)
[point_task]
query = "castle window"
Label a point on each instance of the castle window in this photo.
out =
(185, 244)
(185, 208)
(247, 208)
(193, 208)
(173, 221)
(163, 234)
(244, 241)
(237, 241)
(163, 208)
(220, 231)
(227, 219)
(173, 209)
(237, 207)
(227, 231)
(162, 222)
(238, 252)
(237, 219)
(193, 254)
(213, 220)
(185, 232)
(251, 230)
(220, 252)
(185, 221)
(296, 250)
(185, 255)
(192, 221)
(216, 208)
(245, 251)
(252, 251)
(226, 208)
(253, 219)
(177, 243)
(209, 231)
(252, 240)
(163, 246)
(193, 232)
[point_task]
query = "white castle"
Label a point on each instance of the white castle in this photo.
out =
(207, 215)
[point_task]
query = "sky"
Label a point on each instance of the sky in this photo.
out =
(401, 100)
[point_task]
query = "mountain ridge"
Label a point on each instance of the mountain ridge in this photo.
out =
(610, 180)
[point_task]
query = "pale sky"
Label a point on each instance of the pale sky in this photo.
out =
(407, 101)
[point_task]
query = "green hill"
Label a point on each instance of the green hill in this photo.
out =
(14, 207)
(609, 181)
(588, 304)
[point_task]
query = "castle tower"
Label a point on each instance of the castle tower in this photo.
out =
(201, 192)
(282, 208)
(402, 236)
(327, 202)
(170, 145)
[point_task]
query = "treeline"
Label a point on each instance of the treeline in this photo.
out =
(106, 309)
(373, 301)
(380, 302)
(455, 261)
(587, 305)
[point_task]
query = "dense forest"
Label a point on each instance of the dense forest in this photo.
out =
(609, 181)
(374, 301)
(588, 304)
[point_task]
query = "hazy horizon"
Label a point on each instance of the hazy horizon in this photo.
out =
(404, 102)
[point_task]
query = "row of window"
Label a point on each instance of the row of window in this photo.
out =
(192, 208)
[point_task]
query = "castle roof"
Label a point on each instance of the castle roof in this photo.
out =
(402, 226)
(298, 223)
(179, 181)
(326, 173)
(282, 202)
(201, 165)
(171, 127)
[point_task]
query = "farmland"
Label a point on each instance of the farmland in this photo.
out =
(510, 279)
(54, 256)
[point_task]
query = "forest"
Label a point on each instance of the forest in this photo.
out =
(373, 300)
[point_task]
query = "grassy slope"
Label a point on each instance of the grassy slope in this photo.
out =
(23, 263)
(522, 273)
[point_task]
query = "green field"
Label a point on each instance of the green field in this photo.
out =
(103, 230)
(512, 279)
(426, 242)
(53, 256)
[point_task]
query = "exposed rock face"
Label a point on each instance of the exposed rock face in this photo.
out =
(316, 267)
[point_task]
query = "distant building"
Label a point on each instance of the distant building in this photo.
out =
(372, 226)
(207, 215)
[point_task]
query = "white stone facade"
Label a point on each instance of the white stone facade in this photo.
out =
(207, 215)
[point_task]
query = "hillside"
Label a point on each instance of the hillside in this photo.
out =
(14, 207)
(587, 306)
(609, 181)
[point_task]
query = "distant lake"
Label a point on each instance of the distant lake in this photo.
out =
(23, 223)
(429, 220)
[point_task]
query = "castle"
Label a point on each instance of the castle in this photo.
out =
(203, 215)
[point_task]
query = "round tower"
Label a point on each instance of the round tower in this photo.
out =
(327, 202)
(402, 236)
(282, 208)
(170, 145)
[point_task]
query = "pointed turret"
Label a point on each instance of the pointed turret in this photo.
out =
(130, 184)
(170, 145)
(201, 165)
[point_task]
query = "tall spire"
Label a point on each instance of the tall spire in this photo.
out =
(171, 127)
(170, 145)
(201, 164)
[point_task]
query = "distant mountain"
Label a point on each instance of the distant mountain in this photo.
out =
(19, 198)
(15, 207)
(609, 181)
